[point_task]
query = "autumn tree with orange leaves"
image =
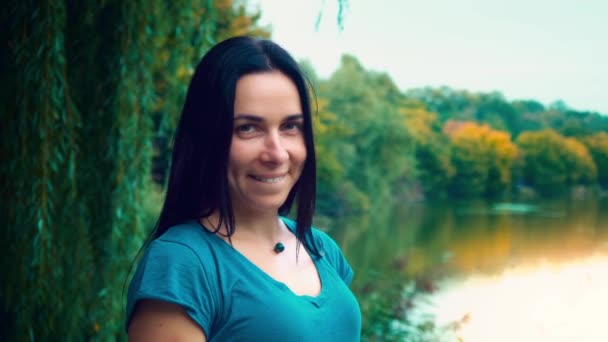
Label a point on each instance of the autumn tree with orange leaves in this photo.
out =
(483, 159)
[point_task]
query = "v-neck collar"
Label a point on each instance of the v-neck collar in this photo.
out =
(317, 300)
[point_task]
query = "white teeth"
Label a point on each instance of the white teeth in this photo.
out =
(269, 180)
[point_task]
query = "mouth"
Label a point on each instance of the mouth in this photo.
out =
(269, 180)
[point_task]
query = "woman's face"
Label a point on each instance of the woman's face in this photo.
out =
(267, 153)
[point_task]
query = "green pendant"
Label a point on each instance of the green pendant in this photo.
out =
(279, 247)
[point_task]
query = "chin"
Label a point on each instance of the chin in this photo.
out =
(269, 204)
(274, 207)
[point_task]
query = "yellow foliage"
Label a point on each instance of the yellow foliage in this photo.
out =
(419, 121)
(553, 162)
(599, 141)
(582, 167)
(487, 139)
(597, 144)
(483, 156)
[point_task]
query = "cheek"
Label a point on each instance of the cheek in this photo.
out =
(237, 158)
(241, 150)
(299, 154)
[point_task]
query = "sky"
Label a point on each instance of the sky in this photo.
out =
(544, 50)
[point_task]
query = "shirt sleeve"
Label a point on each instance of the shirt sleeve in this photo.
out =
(332, 252)
(172, 272)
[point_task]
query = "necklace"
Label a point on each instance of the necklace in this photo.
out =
(279, 247)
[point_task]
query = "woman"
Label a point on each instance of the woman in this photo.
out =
(223, 263)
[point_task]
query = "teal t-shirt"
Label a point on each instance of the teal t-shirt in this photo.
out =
(231, 299)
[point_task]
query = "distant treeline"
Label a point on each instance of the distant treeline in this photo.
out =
(377, 144)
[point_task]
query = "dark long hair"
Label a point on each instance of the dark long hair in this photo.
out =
(198, 184)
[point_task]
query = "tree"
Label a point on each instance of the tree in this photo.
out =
(336, 195)
(579, 163)
(597, 144)
(483, 159)
(80, 83)
(514, 117)
(434, 168)
(552, 163)
(378, 155)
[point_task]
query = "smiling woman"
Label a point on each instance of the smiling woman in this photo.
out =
(223, 263)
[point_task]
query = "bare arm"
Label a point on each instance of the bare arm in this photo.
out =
(159, 321)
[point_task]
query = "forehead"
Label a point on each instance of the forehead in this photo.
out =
(266, 93)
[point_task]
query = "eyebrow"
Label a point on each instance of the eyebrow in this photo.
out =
(255, 118)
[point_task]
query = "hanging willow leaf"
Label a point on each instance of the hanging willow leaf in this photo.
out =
(86, 87)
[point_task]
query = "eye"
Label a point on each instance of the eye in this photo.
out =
(292, 126)
(245, 128)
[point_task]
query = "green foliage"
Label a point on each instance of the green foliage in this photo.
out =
(79, 112)
(337, 196)
(433, 165)
(489, 108)
(86, 86)
(514, 117)
(597, 145)
(579, 163)
(378, 154)
(543, 167)
(391, 316)
(552, 162)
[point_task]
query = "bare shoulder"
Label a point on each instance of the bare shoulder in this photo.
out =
(155, 320)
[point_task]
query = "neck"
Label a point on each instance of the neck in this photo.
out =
(260, 227)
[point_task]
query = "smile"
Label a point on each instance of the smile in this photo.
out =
(268, 180)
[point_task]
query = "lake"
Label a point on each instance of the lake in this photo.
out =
(490, 271)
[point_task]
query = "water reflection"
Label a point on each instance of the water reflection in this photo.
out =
(520, 271)
(546, 302)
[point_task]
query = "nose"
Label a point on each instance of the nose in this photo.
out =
(274, 149)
